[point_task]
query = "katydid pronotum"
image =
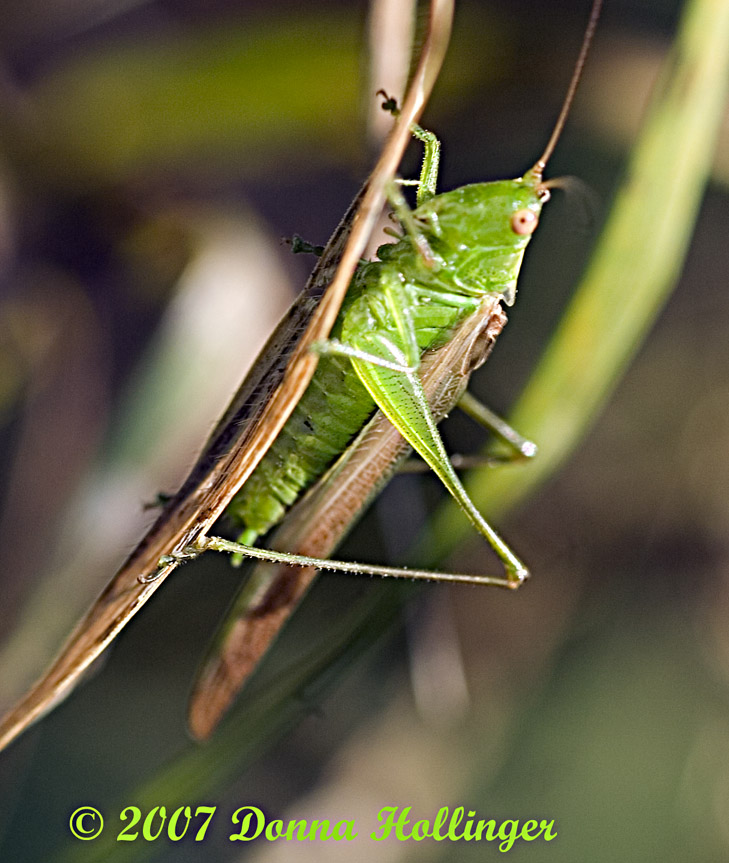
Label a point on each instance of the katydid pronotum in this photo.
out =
(397, 355)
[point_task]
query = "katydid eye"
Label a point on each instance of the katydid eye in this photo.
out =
(524, 222)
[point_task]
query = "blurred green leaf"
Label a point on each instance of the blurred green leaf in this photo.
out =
(219, 93)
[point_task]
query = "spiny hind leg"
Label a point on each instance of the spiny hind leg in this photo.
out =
(216, 543)
(402, 399)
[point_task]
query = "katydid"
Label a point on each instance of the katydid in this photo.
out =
(457, 254)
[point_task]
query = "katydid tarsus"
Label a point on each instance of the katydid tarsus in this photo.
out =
(414, 324)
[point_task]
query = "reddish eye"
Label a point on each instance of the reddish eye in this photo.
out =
(524, 222)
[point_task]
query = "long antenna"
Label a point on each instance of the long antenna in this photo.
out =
(541, 163)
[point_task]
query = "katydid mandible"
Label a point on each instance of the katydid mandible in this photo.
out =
(409, 301)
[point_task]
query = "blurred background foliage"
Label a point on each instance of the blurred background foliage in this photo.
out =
(152, 155)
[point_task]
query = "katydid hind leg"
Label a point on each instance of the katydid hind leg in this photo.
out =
(402, 399)
(405, 405)
(216, 543)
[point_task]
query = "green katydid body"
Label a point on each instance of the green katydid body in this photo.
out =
(460, 255)
(397, 307)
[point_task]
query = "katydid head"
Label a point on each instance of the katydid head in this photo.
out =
(483, 229)
(475, 236)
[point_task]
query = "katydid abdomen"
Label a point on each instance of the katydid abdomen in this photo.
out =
(398, 307)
